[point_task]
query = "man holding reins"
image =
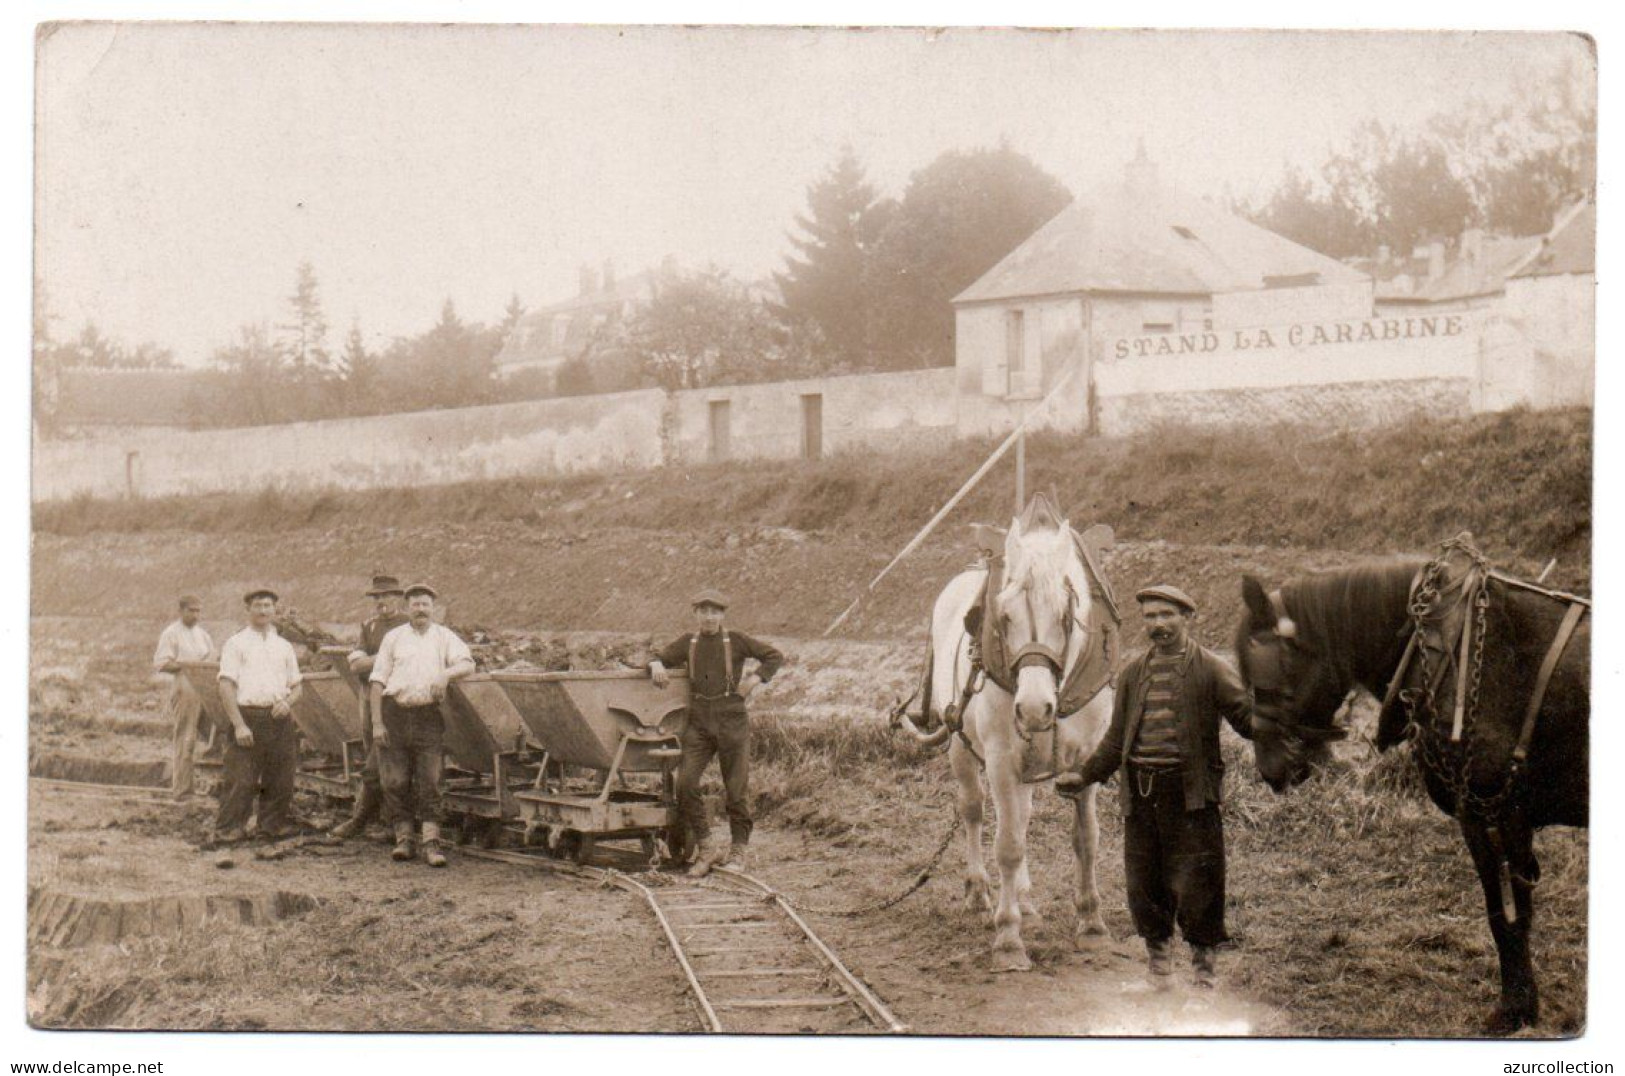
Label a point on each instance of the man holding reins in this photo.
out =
(1164, 743)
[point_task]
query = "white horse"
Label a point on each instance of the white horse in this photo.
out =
(1016, 738)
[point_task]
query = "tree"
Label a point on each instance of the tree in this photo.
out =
(305, 339)
(256, 373)
(357, 372)
(1417, 196)
(702, 329)
(823, 283)
(958, 217)
(511, 315)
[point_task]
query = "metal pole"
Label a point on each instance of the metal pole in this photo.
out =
(1021, 464)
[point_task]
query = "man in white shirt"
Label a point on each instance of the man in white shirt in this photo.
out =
(409, 677)
(183, 640)
(259, 684)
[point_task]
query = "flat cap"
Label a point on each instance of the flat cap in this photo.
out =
(384, 584)
(422, 588)
(710, 596)
(260, 592)
(1164, 593)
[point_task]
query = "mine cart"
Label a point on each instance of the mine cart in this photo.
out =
(609, 743)
(328, 718)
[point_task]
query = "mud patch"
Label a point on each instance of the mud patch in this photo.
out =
(71, 920)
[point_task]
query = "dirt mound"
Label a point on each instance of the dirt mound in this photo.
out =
(69, 920)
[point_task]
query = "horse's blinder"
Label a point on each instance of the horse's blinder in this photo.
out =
(1265, 662)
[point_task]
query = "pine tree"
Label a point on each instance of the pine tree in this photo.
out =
(823, 283)
(305, 340)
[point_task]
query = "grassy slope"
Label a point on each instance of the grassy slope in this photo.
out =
(1521, 481)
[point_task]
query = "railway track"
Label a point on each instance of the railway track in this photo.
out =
(752, 965)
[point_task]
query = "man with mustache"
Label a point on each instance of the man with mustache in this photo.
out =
(1164, 740)
(414, 665)
(387, 601)
(259, 684)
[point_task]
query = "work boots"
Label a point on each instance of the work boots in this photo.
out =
(433, 850)
(403, 853)
(1204, 965)
(366, 809)
(736, 857)
(704, 859)
(1160, 960)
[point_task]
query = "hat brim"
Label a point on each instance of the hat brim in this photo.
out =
(382, 593)
(255, 594)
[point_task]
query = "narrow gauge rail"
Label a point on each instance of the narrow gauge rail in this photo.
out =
(753, 966)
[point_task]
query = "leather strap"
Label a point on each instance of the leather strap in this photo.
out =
(1565, 631)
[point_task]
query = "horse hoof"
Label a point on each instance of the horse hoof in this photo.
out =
(1505, 1021)
(978, 898)
(1011, 960)
(1091, 936)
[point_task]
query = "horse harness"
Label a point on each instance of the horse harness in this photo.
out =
(1448, 607)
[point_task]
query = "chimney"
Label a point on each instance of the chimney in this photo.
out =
(1141, 172)
(1472, 246)
(587, 280)
(1435, 259)
(609, 275)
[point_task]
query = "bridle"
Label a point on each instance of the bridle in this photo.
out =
(1036, 652)
(1284, 721)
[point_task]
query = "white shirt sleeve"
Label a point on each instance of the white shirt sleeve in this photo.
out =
(231, 661)
(291, 663)
(456, 649)
(384, 663)
(168, 649)
(208, 642)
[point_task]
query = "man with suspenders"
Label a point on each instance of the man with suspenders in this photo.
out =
(717, 723)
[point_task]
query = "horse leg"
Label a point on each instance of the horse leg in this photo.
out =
(1024, 881)
(1520, 1000)
(1009, 954)
(1085, 845)
(968, 776)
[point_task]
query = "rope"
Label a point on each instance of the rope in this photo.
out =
(923, 876)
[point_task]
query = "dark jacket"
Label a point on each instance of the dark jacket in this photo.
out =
(1211, 690)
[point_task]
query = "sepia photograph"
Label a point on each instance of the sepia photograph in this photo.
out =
(818, 531)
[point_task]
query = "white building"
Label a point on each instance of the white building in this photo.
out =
(1133, 265)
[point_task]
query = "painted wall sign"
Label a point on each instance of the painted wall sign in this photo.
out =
(1299, 336)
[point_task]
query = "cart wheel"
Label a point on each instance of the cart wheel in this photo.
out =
(537, 835)
(584, 848)
(465, 825)
(567, 845)
(492, 835)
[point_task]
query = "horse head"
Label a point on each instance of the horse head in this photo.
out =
(1297, 688)
(1044, 599)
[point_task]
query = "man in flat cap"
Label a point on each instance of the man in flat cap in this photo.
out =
(1164, 743)
(183, 640)
(415, 663)
(259, 684)
(717, 724)
(388, 606)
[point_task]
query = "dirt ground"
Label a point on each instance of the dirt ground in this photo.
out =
(1358, 916)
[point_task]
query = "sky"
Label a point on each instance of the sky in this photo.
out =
(185, 170)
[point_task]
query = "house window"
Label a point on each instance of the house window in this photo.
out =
(1015, 346)
(1158, 317)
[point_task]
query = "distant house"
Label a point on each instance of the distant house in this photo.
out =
(1133, 259)
(1469, 274)
(1551, 301)
(548, 337)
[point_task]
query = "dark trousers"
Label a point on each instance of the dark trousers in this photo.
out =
(262, 773)
(370, 781)
(720, 730)
(1173, 861)
(409, 767)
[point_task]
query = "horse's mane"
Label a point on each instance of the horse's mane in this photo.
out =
(1351, 616)
(1042, 559)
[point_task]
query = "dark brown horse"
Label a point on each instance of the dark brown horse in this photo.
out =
(1304, 647)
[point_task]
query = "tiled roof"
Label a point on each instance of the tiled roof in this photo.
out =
(1142, 237)
(1404, 279)
(533, 341)
(1571, 247)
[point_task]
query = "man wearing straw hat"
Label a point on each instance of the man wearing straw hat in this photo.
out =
(388, 597)
(414, 666)
(717, 723)
(259, 685)
(1163, 742)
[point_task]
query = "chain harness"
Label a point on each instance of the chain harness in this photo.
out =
(1449, 755)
